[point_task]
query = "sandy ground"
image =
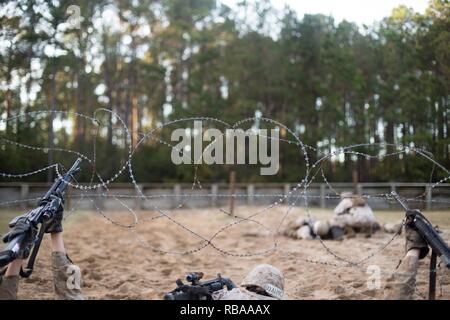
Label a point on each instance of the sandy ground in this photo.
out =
(115, 265)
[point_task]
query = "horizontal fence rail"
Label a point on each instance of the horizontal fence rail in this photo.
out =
(173, 195)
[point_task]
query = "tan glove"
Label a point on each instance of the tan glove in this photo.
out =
(415, 241)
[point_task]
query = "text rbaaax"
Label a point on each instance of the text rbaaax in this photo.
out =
(232, 309)
(247, 309)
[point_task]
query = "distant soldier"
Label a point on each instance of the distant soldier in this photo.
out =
(354, 212)
(66, 275)
(300, 229)
(264, 282)
(352, 215)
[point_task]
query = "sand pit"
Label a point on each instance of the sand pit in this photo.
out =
(117, 266)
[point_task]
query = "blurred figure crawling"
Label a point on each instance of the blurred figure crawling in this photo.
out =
(352, 215)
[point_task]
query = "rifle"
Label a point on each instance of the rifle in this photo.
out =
(47, 207)
(416, 220)
(198, 290)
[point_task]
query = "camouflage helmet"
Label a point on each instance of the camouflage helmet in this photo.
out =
(357, 200)
(268, 278)
(321, 228)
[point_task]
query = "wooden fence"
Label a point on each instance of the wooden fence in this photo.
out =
(171, 195)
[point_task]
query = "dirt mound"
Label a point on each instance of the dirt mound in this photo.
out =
(115, 265)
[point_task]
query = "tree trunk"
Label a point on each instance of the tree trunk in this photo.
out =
(8, 101)
(80, 122)
(51, 134)
(109, 88)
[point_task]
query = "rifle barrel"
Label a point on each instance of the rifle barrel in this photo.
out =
(75, 166)
(397, 197)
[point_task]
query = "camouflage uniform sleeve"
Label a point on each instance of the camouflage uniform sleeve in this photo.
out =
(238, 294)
(234, 294)
(9, 287)
(401, 284)
(66, 278)
(219, 294)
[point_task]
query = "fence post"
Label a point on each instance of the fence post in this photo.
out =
(138, 200)
(322, 195)
(287, 189)
(429, 197)
(250, 194)
(100, 199)
(24, 193)
(359, 189)
(393, 188)
(232, 191)
(177, 193)
(214, 191)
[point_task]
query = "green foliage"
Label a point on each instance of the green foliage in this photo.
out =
(153, 61)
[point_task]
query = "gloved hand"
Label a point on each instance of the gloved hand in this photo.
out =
(55, 224)
(415, 241)
(20, 226)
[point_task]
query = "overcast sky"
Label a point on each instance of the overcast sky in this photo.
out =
(359, 11)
